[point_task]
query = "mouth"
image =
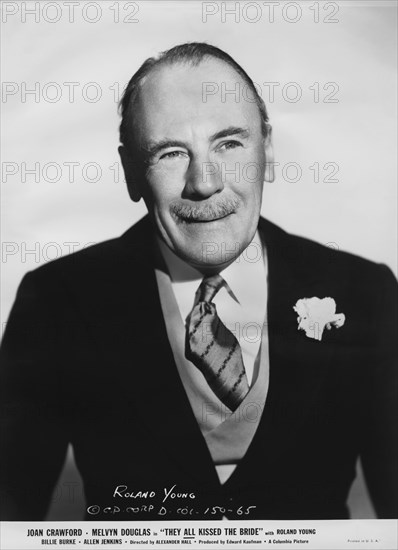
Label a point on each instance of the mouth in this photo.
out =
(204, 219)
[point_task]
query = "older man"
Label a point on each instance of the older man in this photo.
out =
(205, 364)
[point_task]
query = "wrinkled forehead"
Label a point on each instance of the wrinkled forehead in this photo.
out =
(177, 98)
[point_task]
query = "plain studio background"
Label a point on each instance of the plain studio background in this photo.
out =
(330, 66)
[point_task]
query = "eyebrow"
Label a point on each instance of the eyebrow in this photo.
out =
(231, 131)
(154, 147)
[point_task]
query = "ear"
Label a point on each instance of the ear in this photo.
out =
(269, 156)
(131, 174)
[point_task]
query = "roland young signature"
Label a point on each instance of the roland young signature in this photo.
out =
(121, 491)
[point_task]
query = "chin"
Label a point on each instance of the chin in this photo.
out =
(214, 265)
(217, 252)
(213, 244)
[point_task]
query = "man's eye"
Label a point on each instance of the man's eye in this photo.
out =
(173, 154)
(230, 145)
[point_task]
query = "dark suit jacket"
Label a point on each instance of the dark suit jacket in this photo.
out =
(86, 359)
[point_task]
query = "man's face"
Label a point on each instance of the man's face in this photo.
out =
(205, 161)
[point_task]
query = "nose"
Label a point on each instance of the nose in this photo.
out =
(202, 179)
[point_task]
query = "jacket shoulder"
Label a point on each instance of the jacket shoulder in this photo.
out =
(100, 260)
(319, 258)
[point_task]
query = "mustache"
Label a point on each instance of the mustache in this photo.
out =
(205, 211)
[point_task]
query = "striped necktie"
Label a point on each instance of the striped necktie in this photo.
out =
(213, 349)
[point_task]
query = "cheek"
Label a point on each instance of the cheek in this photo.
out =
(245, 170)
(250, 184)
(164, 186)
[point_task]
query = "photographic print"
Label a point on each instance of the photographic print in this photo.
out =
(199, 294)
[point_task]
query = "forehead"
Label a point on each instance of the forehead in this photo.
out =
(181, 100)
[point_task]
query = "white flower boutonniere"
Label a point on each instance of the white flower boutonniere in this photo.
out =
(314, 314)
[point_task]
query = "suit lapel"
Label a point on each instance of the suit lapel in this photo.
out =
(162, 402)
(298, 365)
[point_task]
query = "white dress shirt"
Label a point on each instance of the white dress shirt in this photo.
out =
(241, 303)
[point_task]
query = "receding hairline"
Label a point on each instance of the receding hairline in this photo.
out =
(191, 63)
(170, 58)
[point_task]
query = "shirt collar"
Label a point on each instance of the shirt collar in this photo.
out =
(246, 272)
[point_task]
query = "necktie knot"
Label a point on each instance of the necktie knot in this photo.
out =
(209, 287)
